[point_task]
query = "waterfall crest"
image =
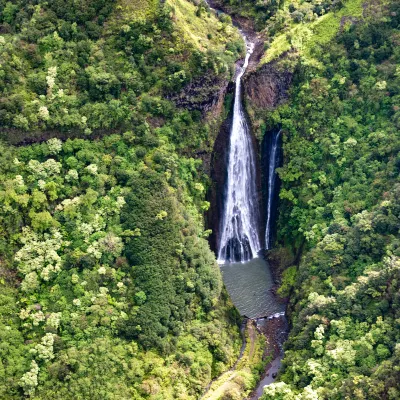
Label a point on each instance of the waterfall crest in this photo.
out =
(272, 177)
(240, 230)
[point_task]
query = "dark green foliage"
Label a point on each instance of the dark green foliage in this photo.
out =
(124, 269)
(341, 197)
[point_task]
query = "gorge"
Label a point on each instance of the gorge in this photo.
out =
(187, 216)
(246, 274)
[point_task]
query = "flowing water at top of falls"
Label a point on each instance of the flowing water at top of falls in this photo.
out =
(272, 177)
(240, 230)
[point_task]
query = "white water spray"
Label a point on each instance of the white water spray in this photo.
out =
(273, 158)
(239, 230)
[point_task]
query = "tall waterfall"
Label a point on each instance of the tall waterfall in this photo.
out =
(272, 177)
(239, 240)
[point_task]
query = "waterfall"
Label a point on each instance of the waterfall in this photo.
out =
(272, 177)
(239, 240)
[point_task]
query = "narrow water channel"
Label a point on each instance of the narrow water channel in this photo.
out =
(247, 276)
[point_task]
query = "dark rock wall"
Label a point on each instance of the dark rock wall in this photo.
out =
(205, 94)
(218, 175)
(267, 87)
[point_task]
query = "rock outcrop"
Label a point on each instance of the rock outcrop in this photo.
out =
(218, 175)
(205, 93)
(267, 87)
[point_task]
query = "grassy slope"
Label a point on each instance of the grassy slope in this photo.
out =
(305, 36)
(204, 32)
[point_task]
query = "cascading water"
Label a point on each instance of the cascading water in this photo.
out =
(249, 283)
(239, 234)
(272, 178)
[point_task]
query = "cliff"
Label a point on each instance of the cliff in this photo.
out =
(267, 87)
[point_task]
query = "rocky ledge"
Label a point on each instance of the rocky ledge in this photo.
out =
(267, 87)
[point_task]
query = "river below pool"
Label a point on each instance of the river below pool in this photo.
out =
(249, 285)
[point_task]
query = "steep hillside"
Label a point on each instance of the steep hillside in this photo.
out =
(330, 79)
(339, 200)
(98, 66)
(108, 288)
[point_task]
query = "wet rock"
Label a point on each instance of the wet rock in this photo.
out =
(216, 193)
(218, 174)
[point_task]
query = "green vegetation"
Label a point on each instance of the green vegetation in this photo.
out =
(108, 288)
(105, 247)
(98, 66)
(340, 206)
(296, 26)
(238, 382)
(103, 258)
(302, 35)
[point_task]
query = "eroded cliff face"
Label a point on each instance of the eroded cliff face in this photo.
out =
(205, 94)
(218, 175)
(267, 87)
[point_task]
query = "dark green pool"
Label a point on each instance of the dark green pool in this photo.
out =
(249, 285)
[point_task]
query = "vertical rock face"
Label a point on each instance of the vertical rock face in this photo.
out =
(267, 87)
(205, 94)
(263, 88)
(219, 162)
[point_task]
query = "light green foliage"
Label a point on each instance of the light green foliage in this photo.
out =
(288, 281)
(29, 380)
(340, 203)
(313, 29)
(104, 64)
(94, 263)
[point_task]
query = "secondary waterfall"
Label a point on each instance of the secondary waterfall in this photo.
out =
(240, 230)
(272, 177)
